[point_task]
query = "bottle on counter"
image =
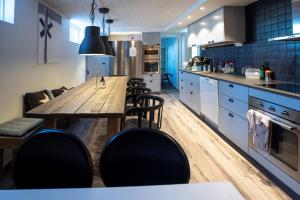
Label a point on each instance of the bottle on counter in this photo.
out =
(268, 75)
(263, 68)
(231, 67)
(220, 67)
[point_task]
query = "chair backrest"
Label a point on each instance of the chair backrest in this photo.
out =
(143, 156)
(134, 92)
(148, 107)
(139, 90)
(136, 84)
(52, 159)
(135, 80)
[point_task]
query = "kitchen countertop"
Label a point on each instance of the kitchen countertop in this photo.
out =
(242, 80)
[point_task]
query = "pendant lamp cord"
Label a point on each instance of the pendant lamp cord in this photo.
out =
(92, 13)
(103, 23)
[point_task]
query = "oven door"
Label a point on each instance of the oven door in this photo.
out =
(151, 54)
(285, 145)
(151, 66)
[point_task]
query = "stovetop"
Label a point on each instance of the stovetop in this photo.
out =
(288, 87)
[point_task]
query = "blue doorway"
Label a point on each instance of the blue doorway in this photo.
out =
(169, 61)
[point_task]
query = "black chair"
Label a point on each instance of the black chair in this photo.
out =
(143, 156)
(53, 159)
(134, 93)
(147, 113)
(136, 84)
(135, 80)
(166, 77)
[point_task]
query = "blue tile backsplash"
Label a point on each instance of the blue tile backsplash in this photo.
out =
(265, 19)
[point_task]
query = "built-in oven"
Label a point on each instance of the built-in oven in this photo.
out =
(151, 52)
(151, 66)
(284, 136)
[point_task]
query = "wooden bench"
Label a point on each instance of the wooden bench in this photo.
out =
(13, 133)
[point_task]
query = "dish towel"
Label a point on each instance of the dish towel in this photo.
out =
(259, 129)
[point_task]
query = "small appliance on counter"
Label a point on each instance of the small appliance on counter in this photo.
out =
(252, 73)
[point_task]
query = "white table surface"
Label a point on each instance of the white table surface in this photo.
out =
(204, 191)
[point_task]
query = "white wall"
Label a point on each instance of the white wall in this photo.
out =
(19, 71)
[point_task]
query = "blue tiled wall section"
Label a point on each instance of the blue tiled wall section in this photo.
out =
(265, 19)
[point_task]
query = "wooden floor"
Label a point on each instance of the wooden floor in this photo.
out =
(211, 159)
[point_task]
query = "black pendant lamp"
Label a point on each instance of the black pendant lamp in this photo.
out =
(104, 36)
(92, 43)
(110, 21)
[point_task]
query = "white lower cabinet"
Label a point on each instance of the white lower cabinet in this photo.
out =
(189, 90)
(233, 107)
(153, 81)
(194, 100)
(234, 128)
(209, 99)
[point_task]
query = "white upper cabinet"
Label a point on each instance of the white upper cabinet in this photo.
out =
(224, 26)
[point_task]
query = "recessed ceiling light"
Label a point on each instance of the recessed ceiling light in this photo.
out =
(189, 17)
(216, 17)
(202, 8)
(179, 23)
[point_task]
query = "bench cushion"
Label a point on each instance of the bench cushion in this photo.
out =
(19, 127)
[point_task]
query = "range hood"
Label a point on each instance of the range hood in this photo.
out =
(296, 24)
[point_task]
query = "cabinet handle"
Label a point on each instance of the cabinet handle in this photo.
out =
(191, 92)
(191, 84)
(285, 113)
(150, 75)
(151, 81)
(181, 80)
(260, 104)
(230, 100)
(271, 108)
(230, 85)
(231, 115)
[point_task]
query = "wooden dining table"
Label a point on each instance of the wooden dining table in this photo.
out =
(88, 100)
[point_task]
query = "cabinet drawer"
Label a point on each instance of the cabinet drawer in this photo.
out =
(194, 101)
(233, 90)
(153, 84)
(148, 77)
(236, 106)
(191, 78)
(183, 94)
(234, 128)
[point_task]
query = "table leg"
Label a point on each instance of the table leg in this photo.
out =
(113, 126)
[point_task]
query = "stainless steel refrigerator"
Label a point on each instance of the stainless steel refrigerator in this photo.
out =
(129, 59)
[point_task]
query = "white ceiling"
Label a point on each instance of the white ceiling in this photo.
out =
(143, 15)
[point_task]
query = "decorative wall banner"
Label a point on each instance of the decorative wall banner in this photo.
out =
(50, 35)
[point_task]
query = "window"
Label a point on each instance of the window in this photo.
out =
(7, 11)
(76, 34)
